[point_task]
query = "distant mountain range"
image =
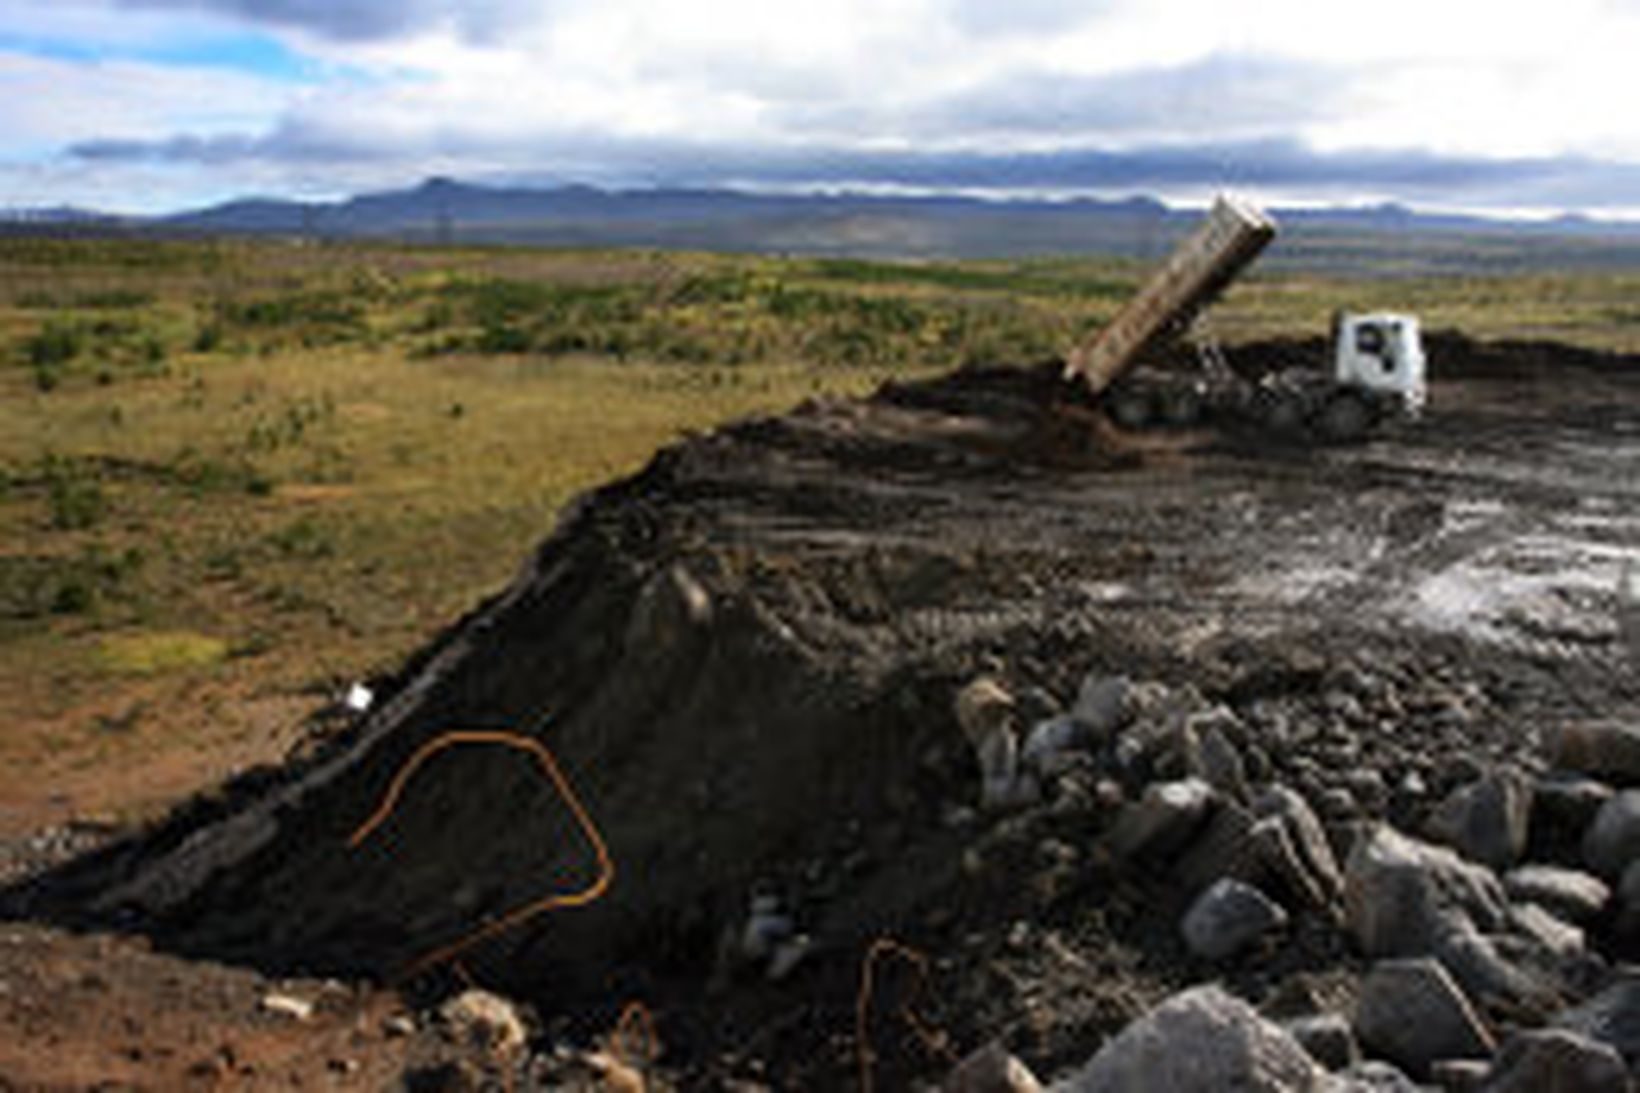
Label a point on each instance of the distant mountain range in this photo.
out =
(1383, 237)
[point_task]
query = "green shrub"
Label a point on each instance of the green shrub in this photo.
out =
(73, 493)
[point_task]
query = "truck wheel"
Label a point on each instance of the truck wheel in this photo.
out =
(1131, 408)
(1345, 419)
(1182, 408)
(1282, 413)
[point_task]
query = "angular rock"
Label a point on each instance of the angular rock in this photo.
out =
(1611, 1017)
(1486, 821)
(1228, 917)
(1403, 897)
(1557, 1061)
(1223, 847)
(1605, 749)
(1572, 894)
(1050, 743)
(1104, 704)
(1328, 1038)
(1161, 823)
(1313, 868)
(1200, 1041)
(1567, 802)
(991, 1069)
(1555, 937)
(1210, 756)
(1613, 839)
(1412, 1013)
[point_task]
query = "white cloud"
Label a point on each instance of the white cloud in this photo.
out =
(52, 103)
(543, 85)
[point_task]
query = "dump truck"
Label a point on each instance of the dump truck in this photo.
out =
(1374, 369)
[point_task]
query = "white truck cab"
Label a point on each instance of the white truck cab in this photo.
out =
(1383, 353)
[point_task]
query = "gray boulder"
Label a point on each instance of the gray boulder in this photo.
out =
(1201, 1041)
(1412, 1013)
(1161, 823)
(1613, 839)
(1486, 820)
(1228, 917)
(1572, 894)
(1403, 897)
(1557, 1061)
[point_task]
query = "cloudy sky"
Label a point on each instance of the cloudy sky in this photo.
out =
(144, 105)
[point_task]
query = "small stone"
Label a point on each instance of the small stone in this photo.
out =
(1104, 704)
(485, 1020)
(288, 1005)
(1606, 749)
(399, 1026)
(1570, 893)
(1209, 755)
(788, 955)
(1202, 1040)
(1460, 1075)
(1051, 744)
(991, 1069)
(1557, 1061)
(1328, 1038)
(1485, 821)
(1613, 840)
(1375, 1076)
(1228, 917)
(1368, 788)
(1412, 1013)
(1161, 822)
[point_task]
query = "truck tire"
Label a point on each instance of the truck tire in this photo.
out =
(1182, 407)
(1282, 413)
(1346, 418)
(1131, 408)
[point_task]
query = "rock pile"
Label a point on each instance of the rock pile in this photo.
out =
(1483, 952)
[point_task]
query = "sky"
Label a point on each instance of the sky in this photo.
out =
(156, 105)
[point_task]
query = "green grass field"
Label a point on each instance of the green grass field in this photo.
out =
(235, 474)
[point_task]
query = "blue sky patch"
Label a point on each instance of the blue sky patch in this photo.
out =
(253, 54)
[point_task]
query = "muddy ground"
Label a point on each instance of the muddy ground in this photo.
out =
(744, 659)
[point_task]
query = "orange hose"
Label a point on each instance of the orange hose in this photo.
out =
(932, 1041)
(549, 765)
(636, 1013)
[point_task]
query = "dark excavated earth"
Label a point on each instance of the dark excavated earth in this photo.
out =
(745, 658)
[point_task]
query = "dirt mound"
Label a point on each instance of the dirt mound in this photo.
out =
(744, 660)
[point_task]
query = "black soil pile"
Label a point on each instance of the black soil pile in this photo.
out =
(745, 657)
